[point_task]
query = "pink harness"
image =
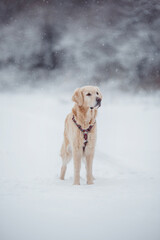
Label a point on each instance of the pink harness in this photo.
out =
(84, 131)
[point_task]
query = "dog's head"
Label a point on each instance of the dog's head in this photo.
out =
(88, 96)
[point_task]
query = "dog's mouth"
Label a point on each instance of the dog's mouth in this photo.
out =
(98, 104)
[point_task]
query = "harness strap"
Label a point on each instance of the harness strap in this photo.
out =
(84, 131)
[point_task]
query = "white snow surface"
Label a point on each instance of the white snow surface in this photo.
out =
(123, 203)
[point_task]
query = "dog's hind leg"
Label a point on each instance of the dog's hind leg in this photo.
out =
(66, 155)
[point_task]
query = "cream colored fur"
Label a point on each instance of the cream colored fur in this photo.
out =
(73, 138)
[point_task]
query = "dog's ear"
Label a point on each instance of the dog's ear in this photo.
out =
(78, 97)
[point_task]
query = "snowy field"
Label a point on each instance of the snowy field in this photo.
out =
(124, 202)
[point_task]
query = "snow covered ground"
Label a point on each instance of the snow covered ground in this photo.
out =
(124, 202)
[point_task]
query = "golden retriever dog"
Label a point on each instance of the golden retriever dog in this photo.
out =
(80, 132)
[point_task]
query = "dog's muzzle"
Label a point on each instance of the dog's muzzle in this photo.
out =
(98, 104)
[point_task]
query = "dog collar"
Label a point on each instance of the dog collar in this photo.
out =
(84, 131)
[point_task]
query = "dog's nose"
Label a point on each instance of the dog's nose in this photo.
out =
(98, 99)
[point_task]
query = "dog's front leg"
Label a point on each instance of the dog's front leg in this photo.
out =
(89, 163)
(77, 166)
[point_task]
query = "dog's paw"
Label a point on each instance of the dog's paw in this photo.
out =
(89, 182)
(76, 183)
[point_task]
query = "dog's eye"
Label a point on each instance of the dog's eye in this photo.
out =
(88, 94)
(97, 93)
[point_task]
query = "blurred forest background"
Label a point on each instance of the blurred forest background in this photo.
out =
(49, 42)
